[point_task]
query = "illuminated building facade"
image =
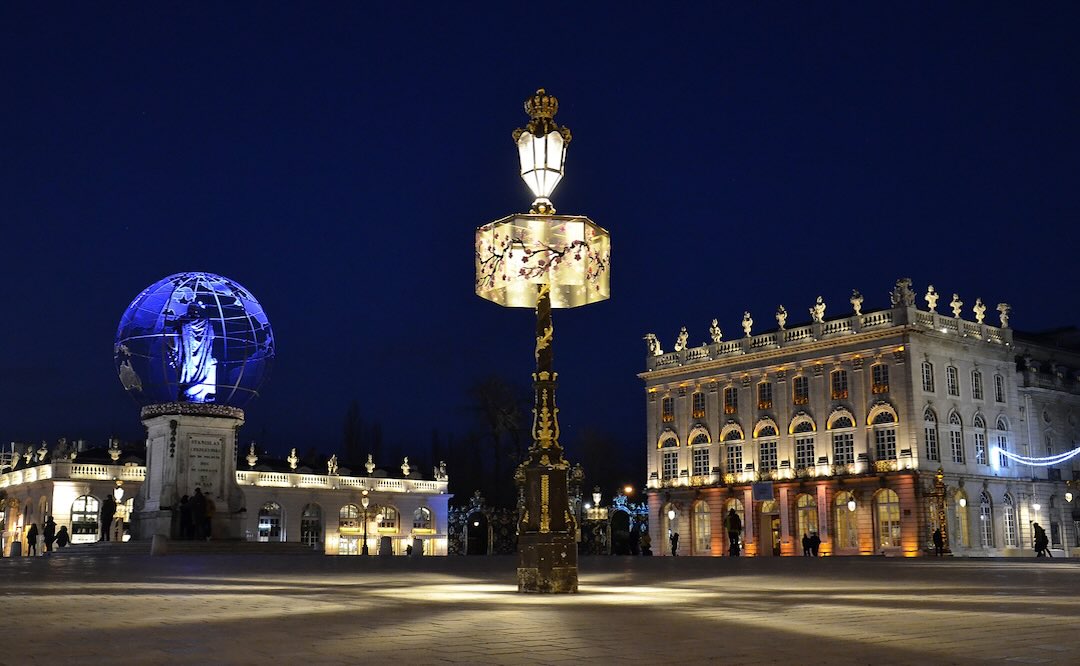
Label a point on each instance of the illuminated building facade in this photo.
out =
(871, 430)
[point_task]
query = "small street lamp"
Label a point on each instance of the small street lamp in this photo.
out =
(364, 501)
(851, 504)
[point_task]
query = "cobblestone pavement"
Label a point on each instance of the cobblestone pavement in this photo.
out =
(252, 609)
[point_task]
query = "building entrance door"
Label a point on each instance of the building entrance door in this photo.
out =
(476, 534)
(774, 531)
(769, 535)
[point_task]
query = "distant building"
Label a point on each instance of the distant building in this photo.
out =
(839, 427)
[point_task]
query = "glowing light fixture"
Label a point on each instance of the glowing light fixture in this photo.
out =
(596, 496)
(542, 149)
(627, 490)
(851, 505)
(1036, 506)
(671, 514)
(1048, 461)
(118, 492)
(963, 502)
(1068, 496)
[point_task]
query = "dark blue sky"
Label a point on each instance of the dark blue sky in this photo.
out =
(335, 158)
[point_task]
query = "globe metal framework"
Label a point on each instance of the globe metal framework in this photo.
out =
(194, 337)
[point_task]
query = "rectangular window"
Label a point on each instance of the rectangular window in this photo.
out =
(999, 388)
(932, 452)
(952, 381)
(1012, 540)
(980, 448)
(1003, 444)
(800, 390)
(731, 400)
(699, 405)
(764, 392)
(885, 443)
(768, 456)
(843, 445)
(701, 462)
(667, 410)
(976, 385)
(839, 385)
(957, 441)
(734, 458)
(804, 452)
(880, 376)
(670, 467)
(928, 376)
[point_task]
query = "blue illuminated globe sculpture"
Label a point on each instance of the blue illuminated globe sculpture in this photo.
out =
(194, 338)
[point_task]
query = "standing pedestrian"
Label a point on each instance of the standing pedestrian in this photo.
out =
(674, 543)
(1042, 543)
(733, 525)
(108, 510)
(187, 530)
(805, 545)
(49, 533)
(198, 512)
(62, 537)
(31, 539)
(815, 544)
(939, 543)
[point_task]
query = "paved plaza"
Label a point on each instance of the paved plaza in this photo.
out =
(257, 609)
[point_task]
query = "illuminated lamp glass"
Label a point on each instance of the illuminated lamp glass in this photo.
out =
(963, 502)
(671, 514)
(851, 505)
(542, 148)
(1068, 496)
(1036, 506)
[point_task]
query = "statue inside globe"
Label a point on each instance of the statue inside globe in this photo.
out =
(191, 353)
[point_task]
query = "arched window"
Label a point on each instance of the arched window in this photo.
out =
(928, 376)
(986, 521)
(84, 518)
(700, 438)
(1002, 442)
(978, 424)
(806, 509)
(882, 417)
(388, 519)
(956, 437)
(1008, 514)
(270, 522)
(961, 533)
(422, 518)
(845, 524)
(669, 459)
(311, 525)
(702, 529)
(767, 431)
(933, 452)
(976, 385)
(952, 381)
(887, 518)
(350, 530)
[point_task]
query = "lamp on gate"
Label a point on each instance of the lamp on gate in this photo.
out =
(1068, 496)
(851, 504)
(364, 502)
(596, 496)
(963, 503)
(118, 492)
(1036, 506)
(542, 149)
(671, 515)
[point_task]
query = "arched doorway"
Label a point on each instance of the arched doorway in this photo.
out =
(620, 533)
(84, 519)
(270, 522)
(477, 534)
(311, 525)
(770, 528)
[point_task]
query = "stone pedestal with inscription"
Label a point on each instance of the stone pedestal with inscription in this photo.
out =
(189, 446)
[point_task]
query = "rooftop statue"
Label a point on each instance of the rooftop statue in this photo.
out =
(856, 301)
(292, 459)
(1003, 311)
(331, 465)
(369, 465)
(653, 344)
(931, 298)
(715, 333)
(781, 317)
(405, 468)
(902, 293)
(680, 342)
(980, 310)
(956, 305)
(817, 312)
(747, 323)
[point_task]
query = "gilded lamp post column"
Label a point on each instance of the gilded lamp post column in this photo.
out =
(542, 260)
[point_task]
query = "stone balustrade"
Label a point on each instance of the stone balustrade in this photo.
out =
(374, 484)
(67, 470)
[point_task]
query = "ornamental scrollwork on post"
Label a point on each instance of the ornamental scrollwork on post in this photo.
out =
(537, 258)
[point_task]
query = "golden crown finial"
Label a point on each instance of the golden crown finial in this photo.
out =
(541, 105)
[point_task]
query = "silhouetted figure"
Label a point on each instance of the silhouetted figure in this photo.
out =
(733, 525)
(635, 538)
(187, 527)
(805, 545)
(674, 543)
(49, 533)
(108, 510)
(62, 537)
(646, 544)
(198, 514)
(208, 519)
(815, 544)
(939, 543)
(1042, 544)
(408, 550)
(31, 539)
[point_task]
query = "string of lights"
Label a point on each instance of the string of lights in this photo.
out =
(1047, 461)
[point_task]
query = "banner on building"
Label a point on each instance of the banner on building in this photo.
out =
(763, 491)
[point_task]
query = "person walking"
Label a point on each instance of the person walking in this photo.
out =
(674, 543)
(49, 533)
(108, 510)
(1042, 543)
(805, 545)
(733, 525)
(31, 539)
(939, 543)
(815, 544)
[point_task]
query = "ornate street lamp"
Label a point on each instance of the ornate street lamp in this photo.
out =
(364, 501)
(541, 260)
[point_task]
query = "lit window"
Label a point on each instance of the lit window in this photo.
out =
(764, 395)
(976, 385)
(932, 451)
(731, 400)
(885, 443)
(311, 525)
(880, 376)
(768, 456)
(389, 520)
(843, 448)
(670, 468)
(845, 524)
(962, 534)
(800, 389)
(701, 461)
(84, 515)
(999, 388)
(270, 522)
(422, 518)
(1049, 444)
(734, 458)
(699, 405)
(807, 518)
(1003, 445)
(928, 376)
(1008, 514)
(986, 522)
(804, 452)
(839, 385)
(952, 381)
(667, 410)
(887, 519)
(702, 529)
(956, 441)
(980, 448)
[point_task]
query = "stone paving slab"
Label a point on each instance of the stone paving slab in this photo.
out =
(207, 609)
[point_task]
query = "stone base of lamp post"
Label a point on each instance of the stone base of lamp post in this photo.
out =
(547, 539)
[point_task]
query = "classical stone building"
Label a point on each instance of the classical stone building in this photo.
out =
(871, 429)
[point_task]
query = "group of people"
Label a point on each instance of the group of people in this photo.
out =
(811, 544)
(48, 536)
(196, 516)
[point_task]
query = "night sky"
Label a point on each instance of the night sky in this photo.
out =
(336, 158)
